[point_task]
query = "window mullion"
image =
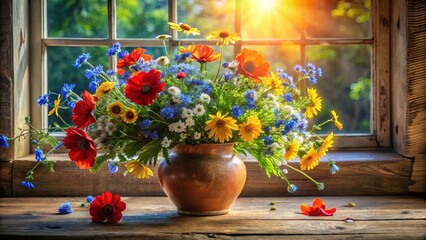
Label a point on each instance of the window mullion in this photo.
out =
(112, 30)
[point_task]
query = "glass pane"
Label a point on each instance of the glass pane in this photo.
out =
(141, 18)
(270, 19)
(60, 71)
(285, 56)
(77, 19)
(345, 85)
(207, 15)
(338, 18)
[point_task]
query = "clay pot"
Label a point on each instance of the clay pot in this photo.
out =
(202, 179)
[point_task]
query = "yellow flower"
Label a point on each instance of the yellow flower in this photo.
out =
(326, 145)
(116, 109)
(310, 160)
(184, 28)
(275, 83)
(251, 129)
(130, 115)
(292, 150)
(138, 170)
(316, 103)
(55, 106)
(221, 127)
(226, 37)
(104, 88)
(338, 124)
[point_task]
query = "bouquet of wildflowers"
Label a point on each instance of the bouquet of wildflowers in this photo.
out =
(136, 113)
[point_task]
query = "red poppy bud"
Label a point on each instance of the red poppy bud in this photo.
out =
(181, 75)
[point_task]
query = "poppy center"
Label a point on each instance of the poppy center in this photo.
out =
(116, 109)
(224, 34)
(185, 27)
(220, 123)
(130, 115)
(107, 210)
(146, 89)
(83, 144)
(249, 66)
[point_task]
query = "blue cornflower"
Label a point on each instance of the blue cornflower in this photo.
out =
(27, 184)
(66, 89)
(185, 99)
(319, 72)
(268, 151)
(113, 50)
(206, 88)
(167, 112)
(110, 72)
(225, 64)
(92, 74)
(279, 123)
(81, 59)
(250, 95)
(227, 76)
(289, 125)
(310, 66)
(267, 140)
(182, 57)
(154, 135)
(250, 105)
(65, 208)
(237, 111)
(113, 168)
(43, 99)
(288, 97)
(267, 129)
(189, 69)
(90, 198)
(3, 141)
(121, 54)
(297, 68)
(71, 104)
(145, 123)
(333, 167)
(291, 188)
(303, 125)
(313, 80)
(93, 85)
(125, 76)
(38, 154)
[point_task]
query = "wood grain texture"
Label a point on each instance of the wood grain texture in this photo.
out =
(362, 173)
(395, 217)
(418, 175)
(5, 179)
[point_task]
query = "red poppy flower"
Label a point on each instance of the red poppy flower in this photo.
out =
(133, 57)
(82, 111)
(81, 146)
(203, 54)
(252, 64)
(143, 88)
(317, 209)
(181, 75)
(107, 207)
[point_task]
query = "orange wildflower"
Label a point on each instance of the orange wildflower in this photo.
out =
(203, 54)
(317, 209)
(252, 64)
(133, 57)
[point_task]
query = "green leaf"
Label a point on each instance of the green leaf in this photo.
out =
(52, 141)
(132, 147)
(149, 152)
(100, 161)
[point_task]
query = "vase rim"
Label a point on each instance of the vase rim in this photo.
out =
(214, 144)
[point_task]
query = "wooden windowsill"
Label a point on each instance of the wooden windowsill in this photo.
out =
(391, 217)
(361, 173)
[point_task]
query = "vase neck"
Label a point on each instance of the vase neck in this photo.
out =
(204, 149)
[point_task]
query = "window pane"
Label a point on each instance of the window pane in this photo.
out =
(77, 19)
(207, 15)
(285, 56)
(60, 71)
(270, 19)
(345, 85)
(141, 18)
(338, 18)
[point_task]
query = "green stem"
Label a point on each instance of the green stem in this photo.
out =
(220, 63)
(304, 174)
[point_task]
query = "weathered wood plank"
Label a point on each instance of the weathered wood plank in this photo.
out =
(370, 173)
(5, 179)
(418, 175)
(251, 218)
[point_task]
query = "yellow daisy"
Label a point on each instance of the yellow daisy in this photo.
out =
(221, 127)
(275, 83)
(55, 106)
(336, 121)
(316, 103)
(310, 160)
(292, 150)
(104, 88)
(224, 36)
(326, 145)
(251, 129)
(116, 109)
(184, 28)
(138, 170)
(130, 115)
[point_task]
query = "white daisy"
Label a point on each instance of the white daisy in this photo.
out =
(178, 127)
(189, 122)
(183, 136)
(199, 110)
(233, 65)
(165, 143)
(175, 99)
(187, 113)
(274, 146)
(197, 135)
(163, 60)
(204, 98)
(175, 91)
